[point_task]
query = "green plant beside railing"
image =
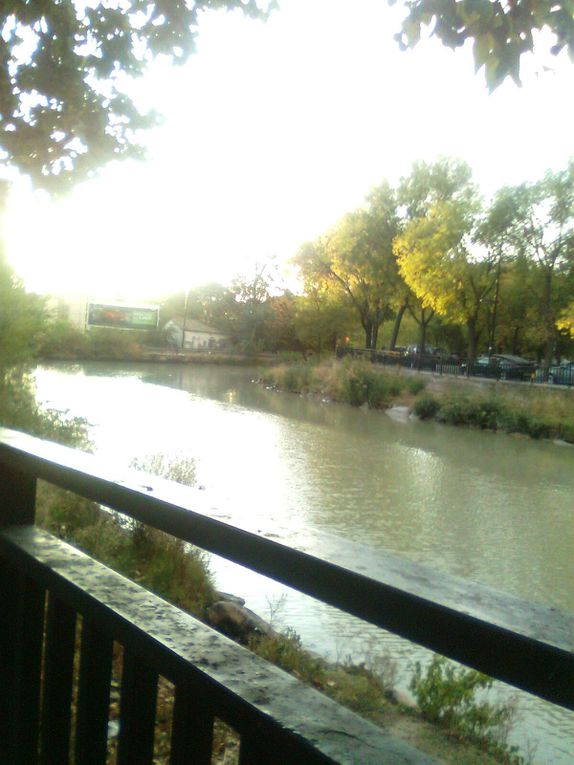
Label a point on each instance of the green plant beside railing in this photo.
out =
(447, 695)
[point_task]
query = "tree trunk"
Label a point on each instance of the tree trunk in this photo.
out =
(374, 335)
(368, 327)
(494, 317)
(549, 324)
(422, 336)
(397, 326)
(473, 336)
(548, 351)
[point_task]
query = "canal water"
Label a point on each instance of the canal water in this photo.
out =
(488, 507)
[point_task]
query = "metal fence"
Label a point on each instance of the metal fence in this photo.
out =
(459, 367)
(64, 613)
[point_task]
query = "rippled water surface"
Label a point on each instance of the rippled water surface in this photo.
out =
(491, 508)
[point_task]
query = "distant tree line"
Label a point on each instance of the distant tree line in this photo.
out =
(427, 259)
(427, 262)
(501, 272)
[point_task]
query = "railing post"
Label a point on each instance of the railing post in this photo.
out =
(18, 506)
(18, 496)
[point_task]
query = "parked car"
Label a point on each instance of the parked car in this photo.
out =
(514, 367)
(504, 367)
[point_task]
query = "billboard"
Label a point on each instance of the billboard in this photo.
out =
(122, 316)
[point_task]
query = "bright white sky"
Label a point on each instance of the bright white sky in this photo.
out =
(271, 133)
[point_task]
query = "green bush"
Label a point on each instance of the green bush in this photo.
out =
(565, 431)
(63, 340)
(455, 412)
(447, 695)
(521, 421)
(361, 385)
(484, 414)
(426, 407)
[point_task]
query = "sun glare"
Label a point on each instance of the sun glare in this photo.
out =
(270, 134)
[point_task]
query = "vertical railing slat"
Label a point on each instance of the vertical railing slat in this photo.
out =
(19, 705)
(137, 712)
(58, 680)
(250, 753)
(93, 704)
(192, 729)
(8, 642)
(28, 670)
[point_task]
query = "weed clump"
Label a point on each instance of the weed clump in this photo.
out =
(163, 564)
(447, 696)
(361, 385)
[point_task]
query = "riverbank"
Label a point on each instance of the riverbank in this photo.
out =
(163, 356)
(498, 406)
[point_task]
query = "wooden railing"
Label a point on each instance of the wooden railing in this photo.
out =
(62, 612)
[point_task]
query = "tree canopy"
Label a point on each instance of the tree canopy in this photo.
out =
(355, 259)
(501, 275)
(63, 108)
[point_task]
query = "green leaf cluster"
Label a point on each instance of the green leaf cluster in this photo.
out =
(64, 110)
(501, 32)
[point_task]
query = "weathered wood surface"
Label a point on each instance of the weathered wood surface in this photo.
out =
(262, 702)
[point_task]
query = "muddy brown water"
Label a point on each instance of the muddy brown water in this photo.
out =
(491, 508)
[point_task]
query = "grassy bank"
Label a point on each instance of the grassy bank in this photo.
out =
(351, 382)
(450, 720)
(533, 411)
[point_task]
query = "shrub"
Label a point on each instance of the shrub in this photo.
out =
(426, 407)
(565, 431)
(447, 695)
(63, 340)
(521, 421)
(484, 414)
(361, 385)
(454, 412)
(165, 565)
